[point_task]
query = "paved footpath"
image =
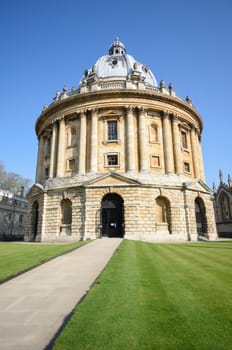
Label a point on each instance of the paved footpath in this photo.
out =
(34, 305)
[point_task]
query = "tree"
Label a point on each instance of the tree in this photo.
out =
(12, 182)
(2, 169)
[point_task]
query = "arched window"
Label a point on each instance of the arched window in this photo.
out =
(225, 207)
(163, 214)
(161, 209)
(201, 220)
(34, 219)
(66, 206)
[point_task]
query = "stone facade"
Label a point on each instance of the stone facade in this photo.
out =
(13, 214)
(119, 156)
(223, 207)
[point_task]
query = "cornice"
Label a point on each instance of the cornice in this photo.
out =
(98, 96)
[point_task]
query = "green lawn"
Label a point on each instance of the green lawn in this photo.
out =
(157, 296)
(18, 257)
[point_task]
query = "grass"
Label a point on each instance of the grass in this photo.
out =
(17, 257)
(157, 296)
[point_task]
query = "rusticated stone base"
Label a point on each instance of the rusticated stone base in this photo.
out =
(141, 217)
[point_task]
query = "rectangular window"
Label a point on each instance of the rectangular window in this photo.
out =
(112, 130)
(186, 167)
(155, 161)
(73, 134)
(71, 164)
(184, 139)
(153, 131)
(46, 173)
(112, 159)
(47, 148)
(21, 218)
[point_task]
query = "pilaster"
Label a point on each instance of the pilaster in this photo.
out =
(40, 158)
(195, 150)
(94, 141)
(142, 140)
(82, 145)
(61, 147)
(130, 139)
(176, 145)
(200, 157)
(168, 144)
(53, 151)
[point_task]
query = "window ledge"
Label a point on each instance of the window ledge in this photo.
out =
(185, 149)
(112, 166)
(71, 146)
(111, 141)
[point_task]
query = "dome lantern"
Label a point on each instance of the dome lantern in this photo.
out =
(117, 48)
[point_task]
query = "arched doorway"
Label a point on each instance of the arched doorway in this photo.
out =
(112, 215)
(34, 219)
(201, 220)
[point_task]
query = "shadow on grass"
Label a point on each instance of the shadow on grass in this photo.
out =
(207, 246)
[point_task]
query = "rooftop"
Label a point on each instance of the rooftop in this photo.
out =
(117, 71)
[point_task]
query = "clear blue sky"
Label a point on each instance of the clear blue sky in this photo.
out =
(47, 44)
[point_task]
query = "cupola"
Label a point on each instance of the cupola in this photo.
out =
(117, 48)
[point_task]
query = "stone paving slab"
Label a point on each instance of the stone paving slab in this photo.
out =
(34, 305)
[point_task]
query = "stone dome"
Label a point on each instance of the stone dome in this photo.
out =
(119, 64)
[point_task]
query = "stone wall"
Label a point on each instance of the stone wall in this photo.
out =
(140, 221)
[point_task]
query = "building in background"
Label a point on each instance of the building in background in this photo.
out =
(13, 215)
(223, 206)
(119, 156)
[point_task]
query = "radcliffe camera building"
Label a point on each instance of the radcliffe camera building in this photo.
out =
(119, 156)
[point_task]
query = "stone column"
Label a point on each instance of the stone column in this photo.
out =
(200, 157)
(53, 151)
(168, 145)
(40, 157)
(142, 141)
(82, 145)
(94, 142)
(195, 150)
(177, 146)
(61, 147)
(130, 139)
